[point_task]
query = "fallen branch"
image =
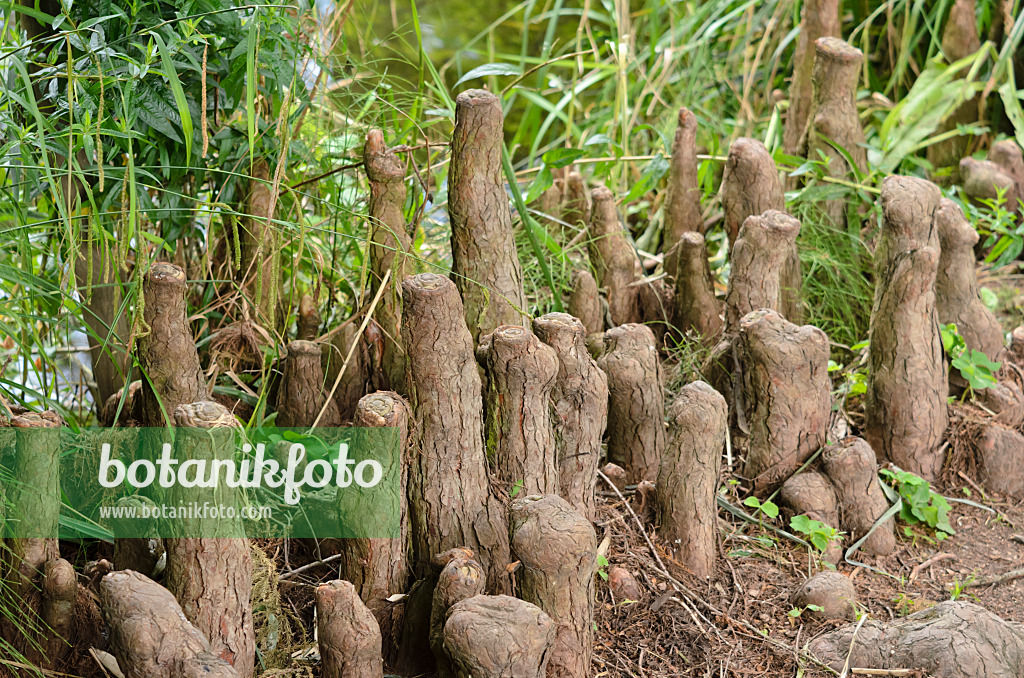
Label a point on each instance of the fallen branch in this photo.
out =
(999, 579)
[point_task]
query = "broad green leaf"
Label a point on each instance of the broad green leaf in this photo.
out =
(488, 70)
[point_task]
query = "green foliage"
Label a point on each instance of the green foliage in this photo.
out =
(796, 612)
(973, 365)
(818, 533)
(602, 567)
(767, 508)
(921, 506)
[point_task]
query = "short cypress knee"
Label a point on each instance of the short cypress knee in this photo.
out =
(498, 637)
(585, 302)
(461, 578)
(303, 392)
(696, 308)
(852, 467)
(348, 635)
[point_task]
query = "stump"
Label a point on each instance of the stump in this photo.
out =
(149, 635)
(758, 256)
(450, 503)
(348, 635)
(853, 470)
(303, 392)
(953, 639)
(461, 578)
(390, 246)
(811, 494)
(787, 395)
(171, 374)
(209, 567)
(576, 210)
(682, 204)
(831, 591)
(498, 637)
(818, 18)
(579, 409)
(906, 394)
(688, 477)
(521, 372)
(1001, 453)
(484, 260)
(378, 567)
(612, 258)
(696, 308)
(557, 547)
(956, 284)
(636, 404)
(585, 302)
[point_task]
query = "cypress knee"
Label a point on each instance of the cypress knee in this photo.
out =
(390, 246)
(557, 547)
(450, 503)
(348, 635)
(260, 268)
(60, 589)
(309, 319)
(636, 404)
(786, 394)
(576, 212)
(1008, 156)
(688, 479)
(521, 372)
(498, 637)
(818, 19)
(209, 567)
(852, 467)
(379, 567)
(460, 579)
(585, 302)
(579, 409)
(167, 354)
(303, 391)
(956, 283)
(149, 635)
(613, 258)
(758, 254)
(353, 383)
(682, 204)
(812, 494)
(985, 180)
(484, 258)
(696, 308)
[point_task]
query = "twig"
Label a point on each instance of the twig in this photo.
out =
(999, 579)
(928, 563)
(853, 641)
(885, 672)
(299, 570)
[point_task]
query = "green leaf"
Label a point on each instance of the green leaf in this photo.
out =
(179, 95)
(557, 158)
(488, 70)
(770, 509)
(250, 82)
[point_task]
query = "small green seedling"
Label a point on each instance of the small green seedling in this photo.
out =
(768, 507)
(818, 533)
(602, 567)
(796, 612)
(974, 366)
(921, 506)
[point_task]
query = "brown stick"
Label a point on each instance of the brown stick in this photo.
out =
(758, 255)
(612, 258)
(851, 466)
(557, 547)
(348, 635)
(484, 259)
(636, 403)
(688, 478)
(498, 637)
(460, 579)
(302, 392)
(585, 302)
(696, 308)
(579, 409)
(818, 18)
(521, 372)
(149, 635)
(786, 394)
(682, 204)
(390, 246)
(449, 498)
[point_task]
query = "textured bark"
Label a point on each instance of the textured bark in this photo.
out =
(907, 389)
(688, 479)
(348, 635)
(521, 371)
(696, 308)
(414, 655)
(853, 470)
(550, 202)
(985, 180)
(585, 302)
(149, 635)
(354, 381)
(682, 204)
(956, 283)
(60, 590)
(613, 258)
(636, 402)
(109, 416)
(498, 637)
(623, 585)
(758, 256)
(484, 259)
(750, 185)
(834, 119)
(818, 19)
(449, 497)
(379, 567)
(1005, 400)
(171, 374)
(787, 395)
(1001, 453)
(390, 246)
(308, 326)
(1007, 154)
(655, 306)
(460, 579)
(107, 322)
(557, 547)
(811, 494)
(211, 576)
(140, 554)
(260, 267)
(831, 591)
(953, 639)
(303, 391)
(579, 409)
(576, 210)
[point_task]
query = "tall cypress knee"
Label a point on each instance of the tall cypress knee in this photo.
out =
(579, 409)
(450, 503)
(303, 391)
(688, 478)
(757, 257)
(484, 258)
(390, 246)
(636, 403)
(696, 308)
(348, 635)
(585, 302)
(812, 494)
(787, 395)
(682, 204)
(613, 258)
(521, 372)
(557, 548)
(818, 19)
(353, 383)
(260, 267)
